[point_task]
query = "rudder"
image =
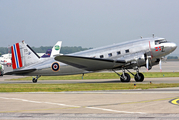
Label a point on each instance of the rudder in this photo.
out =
(16, 56)
(56, 48)
(23, 55)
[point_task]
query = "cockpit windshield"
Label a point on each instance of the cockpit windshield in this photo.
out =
(160, 41)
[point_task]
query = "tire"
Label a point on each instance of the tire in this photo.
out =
(34, 80)
(139, 79)
(128, 78)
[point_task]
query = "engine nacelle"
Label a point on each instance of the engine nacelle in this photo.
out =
(140, 60)
(1, 70)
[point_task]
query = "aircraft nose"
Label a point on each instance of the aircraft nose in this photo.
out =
(174, 46)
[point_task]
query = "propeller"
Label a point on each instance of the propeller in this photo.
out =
(147, 64)
(162, 59)
(160, 64)
(149, 57)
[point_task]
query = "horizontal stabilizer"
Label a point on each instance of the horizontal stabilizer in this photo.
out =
(20, 72)
(88, 63)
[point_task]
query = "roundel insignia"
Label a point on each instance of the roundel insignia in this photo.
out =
(55, 67)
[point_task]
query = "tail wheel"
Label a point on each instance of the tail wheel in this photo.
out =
(34, 80)
(125, 78)
(139, 77)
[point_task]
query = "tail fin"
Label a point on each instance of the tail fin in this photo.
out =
(23, 55)
(47, 54)
(56, 48)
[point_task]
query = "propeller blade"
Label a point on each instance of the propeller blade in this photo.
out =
(160, 64)
(147, 64)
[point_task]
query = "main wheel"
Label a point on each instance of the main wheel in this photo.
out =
(140, 78)
(127, 78)
(34, 80)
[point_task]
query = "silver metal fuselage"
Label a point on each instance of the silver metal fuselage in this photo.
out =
(123, 51)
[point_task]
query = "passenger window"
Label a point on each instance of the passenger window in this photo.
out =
(119, 52)
(101, 56)
(127, 51)
(110, 54)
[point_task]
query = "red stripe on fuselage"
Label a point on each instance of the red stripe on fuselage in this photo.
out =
(13, 58)
(19, 55)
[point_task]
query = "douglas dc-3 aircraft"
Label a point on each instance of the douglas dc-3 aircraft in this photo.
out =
(123, 56)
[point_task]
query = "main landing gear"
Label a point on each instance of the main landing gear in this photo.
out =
(125, 77)
(34, 80)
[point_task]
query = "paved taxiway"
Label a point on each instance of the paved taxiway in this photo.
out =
(84, 105)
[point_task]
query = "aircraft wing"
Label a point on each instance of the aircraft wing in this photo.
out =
(88, 63)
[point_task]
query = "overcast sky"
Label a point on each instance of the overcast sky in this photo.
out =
(87, 23)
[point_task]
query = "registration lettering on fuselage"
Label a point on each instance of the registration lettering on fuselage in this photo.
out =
(160, 48)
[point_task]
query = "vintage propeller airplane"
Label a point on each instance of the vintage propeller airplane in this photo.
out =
(1, 70)
(122, 56)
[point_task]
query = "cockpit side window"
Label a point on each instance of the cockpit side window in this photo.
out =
(157, 42)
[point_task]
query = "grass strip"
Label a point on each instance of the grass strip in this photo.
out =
(102, 76)
(78, 87)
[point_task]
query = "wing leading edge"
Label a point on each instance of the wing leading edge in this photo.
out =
(88, 63)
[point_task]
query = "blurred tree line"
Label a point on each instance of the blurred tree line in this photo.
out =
(3, 50)
(172, 57)
(42, 49)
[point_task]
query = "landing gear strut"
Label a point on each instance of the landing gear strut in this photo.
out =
(139, 77)
(125, 77)
(34, 80)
